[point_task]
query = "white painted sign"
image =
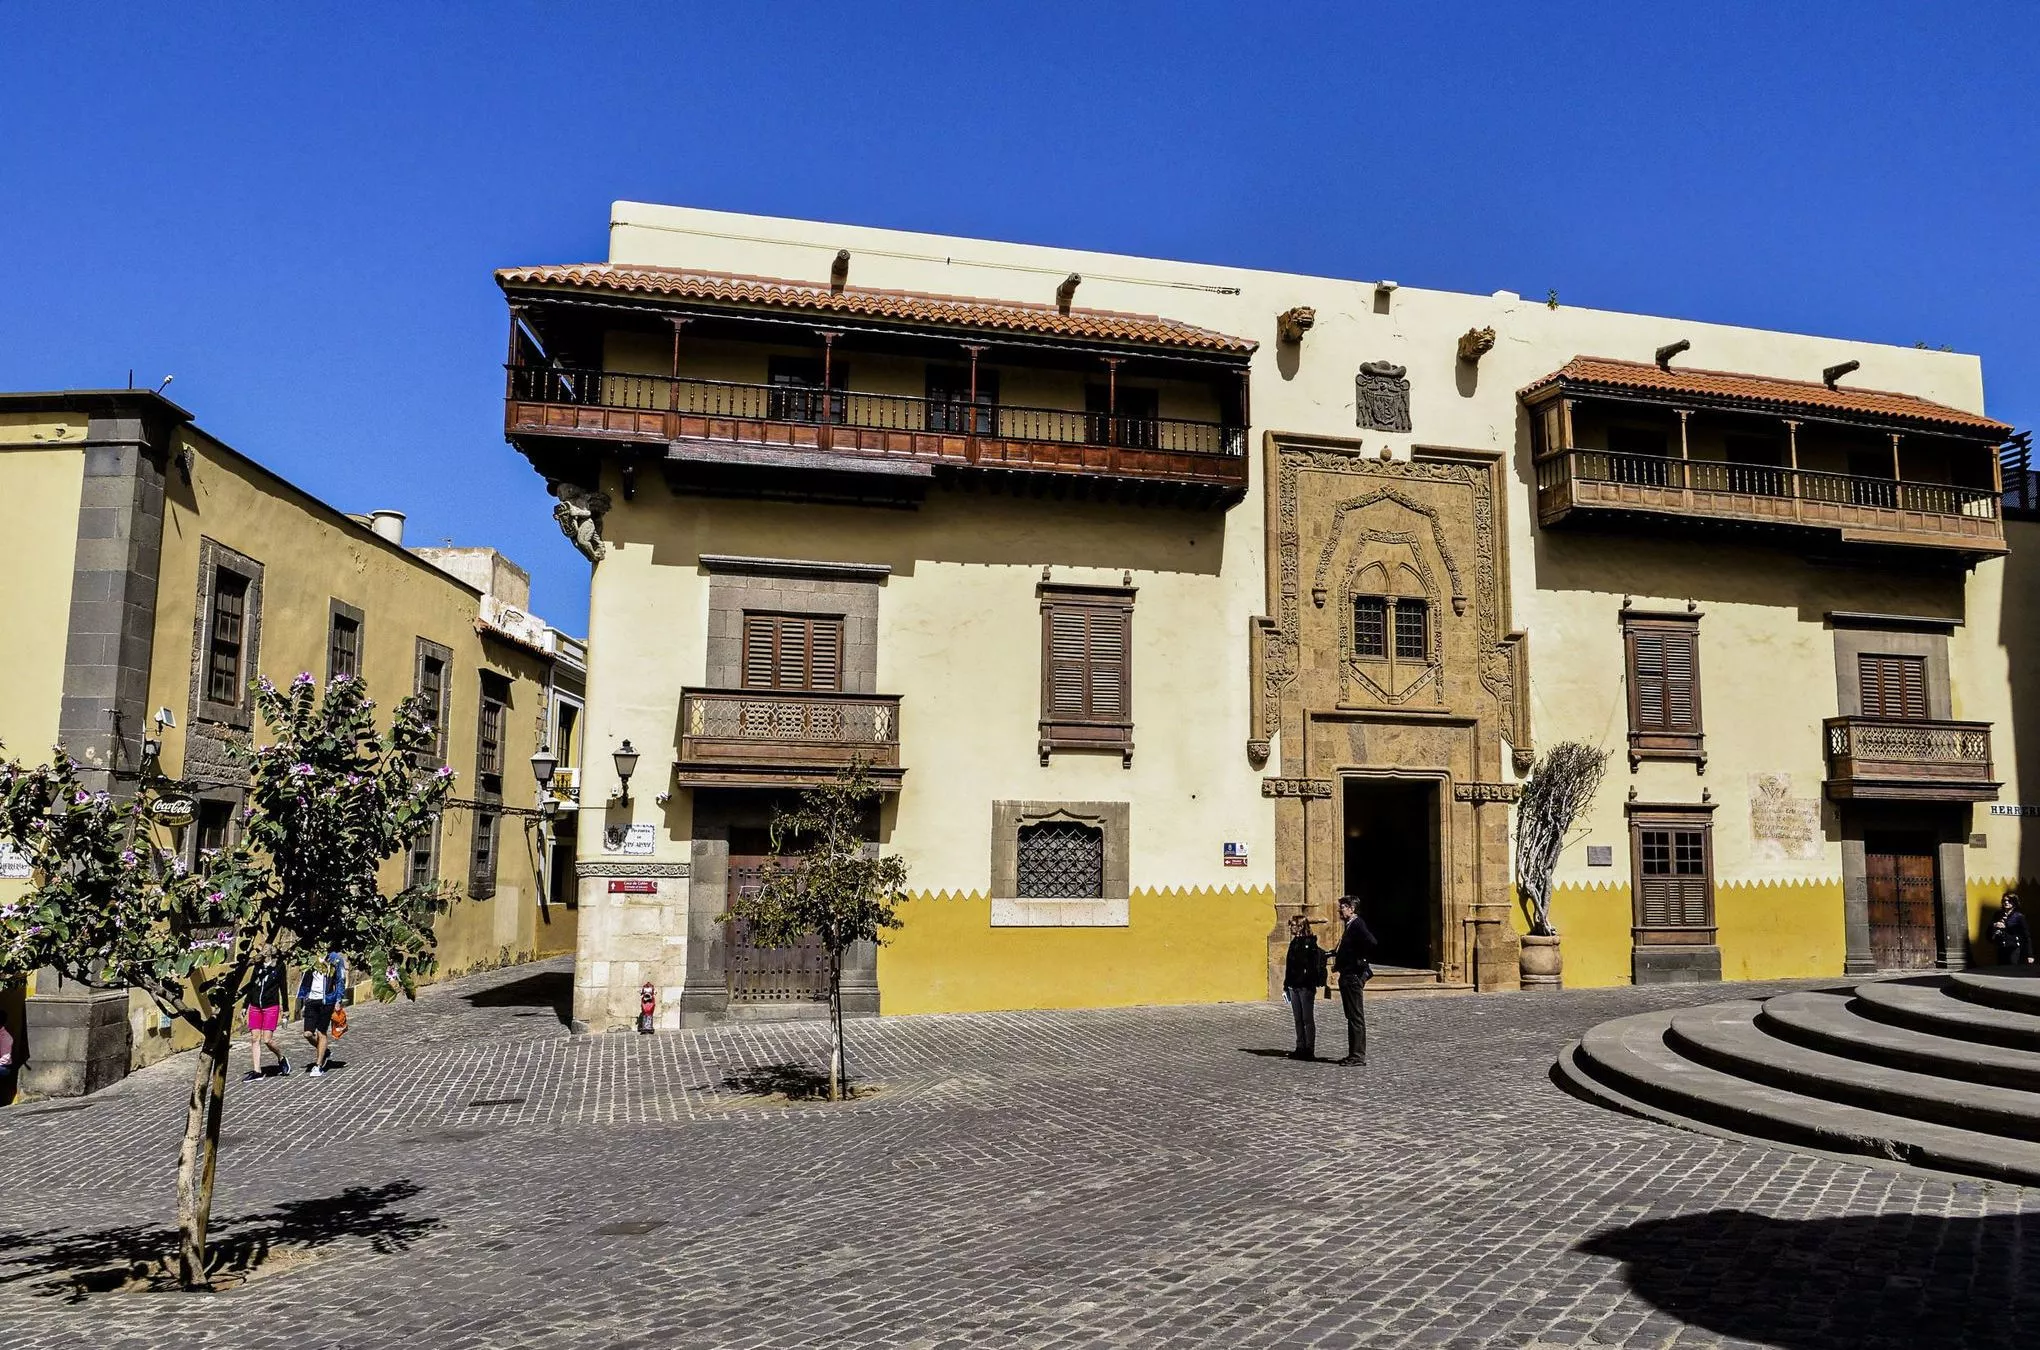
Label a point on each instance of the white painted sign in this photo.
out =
(634, 842)
(14, 866)
(2013, 809)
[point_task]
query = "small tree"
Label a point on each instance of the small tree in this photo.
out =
(1561, 786)
(825, 882)
(329, 801)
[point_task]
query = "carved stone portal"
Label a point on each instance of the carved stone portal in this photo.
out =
(579, 514)
(1416, 744)
(1381, 396)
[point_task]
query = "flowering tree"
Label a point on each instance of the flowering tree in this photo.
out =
(328, 801)
(825, 883)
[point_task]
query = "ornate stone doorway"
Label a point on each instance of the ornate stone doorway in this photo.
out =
(1387, 663)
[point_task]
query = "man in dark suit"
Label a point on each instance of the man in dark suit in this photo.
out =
(1356, 944)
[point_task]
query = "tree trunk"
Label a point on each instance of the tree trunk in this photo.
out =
(836, 1026)
(198, 1160)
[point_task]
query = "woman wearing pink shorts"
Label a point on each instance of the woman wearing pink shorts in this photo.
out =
(265, 1012)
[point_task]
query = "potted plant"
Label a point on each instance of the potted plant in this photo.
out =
(1560, 788)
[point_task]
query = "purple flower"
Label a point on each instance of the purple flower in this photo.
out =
(303, 680)
(341, 678)
(301, 770)
(127, 855)
(81, 797)
(444, 771)
(215, 897)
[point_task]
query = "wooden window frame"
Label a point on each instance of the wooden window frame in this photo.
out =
(482, 878)
(1421, 607)
(492, 727)
(339, 612)
(1697, 817)
(1663, 743)
(1107, 604)
(434, 756)
(1387, 619)
(429, 837)
(1902, 662)
(754, 619)
(215, 560)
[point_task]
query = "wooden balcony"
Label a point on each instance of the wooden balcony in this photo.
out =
(732, 431)
(786, 738)
(1583, 485)
(1908, 759)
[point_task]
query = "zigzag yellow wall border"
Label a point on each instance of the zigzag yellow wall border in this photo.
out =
(1181, 945)
(1769, 930)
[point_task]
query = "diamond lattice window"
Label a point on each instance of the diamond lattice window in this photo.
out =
(1062, 860)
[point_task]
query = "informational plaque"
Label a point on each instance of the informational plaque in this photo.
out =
(1783, 826)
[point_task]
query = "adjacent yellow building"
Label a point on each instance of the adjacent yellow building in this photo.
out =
(1168, 600)
(157, 572)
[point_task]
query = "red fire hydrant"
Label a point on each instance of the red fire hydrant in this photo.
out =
(648, 1004)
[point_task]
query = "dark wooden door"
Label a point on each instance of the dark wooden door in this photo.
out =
(798, 974)
(1902, 904)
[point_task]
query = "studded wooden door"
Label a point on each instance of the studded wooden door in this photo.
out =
(1902, 903)
(757, 974)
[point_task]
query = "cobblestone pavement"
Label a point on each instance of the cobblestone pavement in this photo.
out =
(1152, 1177)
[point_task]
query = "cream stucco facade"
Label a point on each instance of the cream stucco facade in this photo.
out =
(960, 577)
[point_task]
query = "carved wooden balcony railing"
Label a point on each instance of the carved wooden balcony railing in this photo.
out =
(851, 427)
(785, 738)
(1909, 759)
(1862, 510)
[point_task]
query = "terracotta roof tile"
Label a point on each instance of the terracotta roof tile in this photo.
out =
(1764, 391)
(948, 310)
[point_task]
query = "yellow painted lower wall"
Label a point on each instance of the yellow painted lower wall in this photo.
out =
(1768, 930)
(1780, 930)
(1180, 946)
(1593, 929)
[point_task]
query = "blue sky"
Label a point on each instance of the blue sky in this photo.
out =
(296, 208)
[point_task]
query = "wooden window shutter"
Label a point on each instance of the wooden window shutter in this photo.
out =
(761, 648)
(1664, 686)
(1108, 663)
(1087, 669)
(1893, 686)
(825, 654)
(1681, 676)
(1648, 671)
(791, 663)
(1069, 664)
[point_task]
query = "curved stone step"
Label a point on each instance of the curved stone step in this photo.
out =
(1631, 1056)
(2011, 993)
(1726, 1037)
(1829, 1022)
(1926, 1008)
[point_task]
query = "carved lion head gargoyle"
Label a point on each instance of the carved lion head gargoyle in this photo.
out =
(1292, 324)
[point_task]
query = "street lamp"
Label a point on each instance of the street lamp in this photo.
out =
(626, 765)
(542, 765)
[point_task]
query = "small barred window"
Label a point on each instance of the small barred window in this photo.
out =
(1062, 860)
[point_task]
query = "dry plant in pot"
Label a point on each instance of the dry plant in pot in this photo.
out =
(1559, 790)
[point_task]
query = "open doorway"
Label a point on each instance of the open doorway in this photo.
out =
(1392, 865)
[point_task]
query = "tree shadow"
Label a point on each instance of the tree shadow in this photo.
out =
(1919, 1281)
(790, 1082)
(552, 989)
(76, 1266)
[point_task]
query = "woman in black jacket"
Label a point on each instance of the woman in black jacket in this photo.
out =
(2011, 933)
(265, 1011)
(1303, 974)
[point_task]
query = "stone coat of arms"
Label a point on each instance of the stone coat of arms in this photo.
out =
(1382, 396)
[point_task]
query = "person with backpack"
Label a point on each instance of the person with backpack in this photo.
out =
(321, 990)
(265, 1013)
(1356, 944)
(1303, 975)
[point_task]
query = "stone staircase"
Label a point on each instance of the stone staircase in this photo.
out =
(1938, 1071)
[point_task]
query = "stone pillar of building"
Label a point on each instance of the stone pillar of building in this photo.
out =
(1857, 957)
(77, 1039)
(1951, 874)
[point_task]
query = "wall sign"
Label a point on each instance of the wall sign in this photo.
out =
(633, 841)
(1782, 825)
(1235, 855)
(634, 886)
(1600, 855)
(173, 810)
(2013, 809)
(14, 866)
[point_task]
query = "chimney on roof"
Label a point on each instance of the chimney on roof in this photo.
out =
(1833, 373)
(388, 524)
(1670, 350)
(839, 271)
(1064, 292)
